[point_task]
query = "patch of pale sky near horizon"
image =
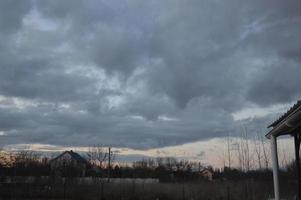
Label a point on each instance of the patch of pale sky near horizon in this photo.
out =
(210, 152)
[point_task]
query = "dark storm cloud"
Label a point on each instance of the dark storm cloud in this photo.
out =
(278, 83)
(11, 14)
(143, 73)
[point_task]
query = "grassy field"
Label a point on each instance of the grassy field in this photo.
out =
(201, 190)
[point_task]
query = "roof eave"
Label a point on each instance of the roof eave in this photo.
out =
(287, 126)
(277, 131)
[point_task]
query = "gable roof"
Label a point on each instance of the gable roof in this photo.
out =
(74, 156)
(77, 157)
(206, 170)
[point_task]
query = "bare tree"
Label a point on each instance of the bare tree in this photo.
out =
(240, 155)
(97, 156)
(265, 150)
(142, 164)
(229, 154)
(160, 162)
(244, 154)
(172, 163)
(246, 149)
(222, 155)
(285, 155)
(258, 150)
(25, 158)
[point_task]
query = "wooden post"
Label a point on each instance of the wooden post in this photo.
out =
(297, 154)
(275, 166)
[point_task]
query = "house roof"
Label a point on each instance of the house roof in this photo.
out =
(288, 123)
(74, 156)
(206, 170)
(289, 112)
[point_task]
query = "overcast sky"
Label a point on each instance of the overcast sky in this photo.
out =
(145, 74)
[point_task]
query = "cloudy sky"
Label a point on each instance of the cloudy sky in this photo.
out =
(145, 74)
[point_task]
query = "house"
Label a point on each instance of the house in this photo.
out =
(69, 162)
(207, 173)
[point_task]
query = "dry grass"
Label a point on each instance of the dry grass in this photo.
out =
(203, 190)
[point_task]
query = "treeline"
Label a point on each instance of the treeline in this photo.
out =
(27, 163)
(165, 169)
(23, 163)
